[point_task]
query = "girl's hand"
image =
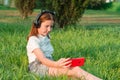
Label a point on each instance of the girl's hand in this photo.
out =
(63, 63)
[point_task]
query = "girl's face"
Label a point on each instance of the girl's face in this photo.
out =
(45, 27)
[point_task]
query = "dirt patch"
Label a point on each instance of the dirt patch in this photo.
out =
(85, 19)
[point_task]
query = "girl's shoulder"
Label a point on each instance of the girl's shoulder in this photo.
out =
(33, 38)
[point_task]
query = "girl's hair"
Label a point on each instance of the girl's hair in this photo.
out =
(43, 17)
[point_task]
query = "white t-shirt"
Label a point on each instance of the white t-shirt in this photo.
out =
(41, 42)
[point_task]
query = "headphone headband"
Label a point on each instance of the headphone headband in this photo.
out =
(37, 22)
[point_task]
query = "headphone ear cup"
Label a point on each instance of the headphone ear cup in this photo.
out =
(36, 21)
(36, 24)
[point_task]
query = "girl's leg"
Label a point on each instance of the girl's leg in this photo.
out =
(59, 71)
(72, 72)
(82, 74)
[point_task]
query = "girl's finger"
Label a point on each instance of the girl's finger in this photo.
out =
(68, 65)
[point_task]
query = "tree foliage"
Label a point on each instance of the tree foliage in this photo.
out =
(67, 11)
(99, 4)
(25, 7)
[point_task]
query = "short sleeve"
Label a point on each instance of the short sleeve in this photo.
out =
(32, 44)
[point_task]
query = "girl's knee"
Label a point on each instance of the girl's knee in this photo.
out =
(76, 68)
(73, 71)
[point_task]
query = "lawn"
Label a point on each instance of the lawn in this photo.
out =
(96, 37)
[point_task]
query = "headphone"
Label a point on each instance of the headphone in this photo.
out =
(37, 22)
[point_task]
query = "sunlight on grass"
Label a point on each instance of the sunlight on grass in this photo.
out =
(8, 20)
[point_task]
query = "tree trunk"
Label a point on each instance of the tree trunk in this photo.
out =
(25, 15)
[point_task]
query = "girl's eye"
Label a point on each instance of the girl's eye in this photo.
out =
(49, 26)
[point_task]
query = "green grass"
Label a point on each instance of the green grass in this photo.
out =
(115, 7)
(6, 7)
(98, 43)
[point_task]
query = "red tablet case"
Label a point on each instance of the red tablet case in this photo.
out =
(77, 62)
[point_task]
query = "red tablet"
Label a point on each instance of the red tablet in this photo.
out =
(77, 62)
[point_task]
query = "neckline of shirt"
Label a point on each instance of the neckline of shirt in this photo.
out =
(41, 36)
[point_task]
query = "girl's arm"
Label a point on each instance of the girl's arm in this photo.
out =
(61, 63)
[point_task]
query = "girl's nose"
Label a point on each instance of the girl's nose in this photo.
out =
(49, 29)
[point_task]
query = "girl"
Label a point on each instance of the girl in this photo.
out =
(39, 51)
